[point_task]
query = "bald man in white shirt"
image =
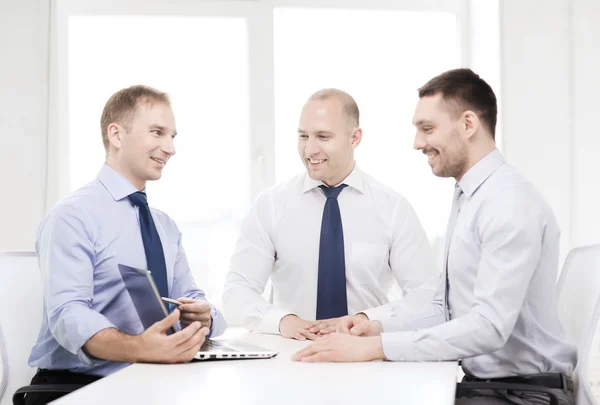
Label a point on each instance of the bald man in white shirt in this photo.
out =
(332, 240)
(495, 307)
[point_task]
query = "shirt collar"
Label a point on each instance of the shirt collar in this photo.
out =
(117, 185)
(355, 180)
(478, 174)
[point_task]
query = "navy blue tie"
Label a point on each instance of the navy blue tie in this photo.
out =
(155, 256)
(331, 289)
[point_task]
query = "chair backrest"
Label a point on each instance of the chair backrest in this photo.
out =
(20, 316)
(579, 309)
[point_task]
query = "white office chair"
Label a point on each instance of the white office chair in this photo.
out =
(579, 310)
(3, 366)
(20, 317)
(21, 309)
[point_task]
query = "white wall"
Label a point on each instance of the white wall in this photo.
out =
(23, 95)
(549, 63)
(585, 122)
(548, 108)
(536, 98)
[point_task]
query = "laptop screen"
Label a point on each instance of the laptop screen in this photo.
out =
(144, 295)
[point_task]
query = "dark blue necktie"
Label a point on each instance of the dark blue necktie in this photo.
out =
(155, 256)
(331, 289)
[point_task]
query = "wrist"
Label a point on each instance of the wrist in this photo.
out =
(376, 348)
(285, 319)
(134, 348)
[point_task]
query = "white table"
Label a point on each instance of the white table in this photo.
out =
(273, 381)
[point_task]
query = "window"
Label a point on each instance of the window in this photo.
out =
(238, 73)
(205, 187)
(380, 57)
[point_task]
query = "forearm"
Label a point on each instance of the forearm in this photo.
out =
(114, 345)
(425, 317)
(466, 336)
(414, 312)
(411, 306)
(73, 323)
(250, 268)
(246, 307)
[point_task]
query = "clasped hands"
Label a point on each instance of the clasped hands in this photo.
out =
(345, 339)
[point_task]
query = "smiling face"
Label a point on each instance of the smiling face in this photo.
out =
(326, 140)
(439, 137)
(141, 151)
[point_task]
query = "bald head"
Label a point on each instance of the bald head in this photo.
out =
(349, 106)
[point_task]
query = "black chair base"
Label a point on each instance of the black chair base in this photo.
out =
(19, 395)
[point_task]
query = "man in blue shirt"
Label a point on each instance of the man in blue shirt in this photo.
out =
(90, 326)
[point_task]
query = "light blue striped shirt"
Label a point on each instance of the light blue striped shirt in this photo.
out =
(79, 244)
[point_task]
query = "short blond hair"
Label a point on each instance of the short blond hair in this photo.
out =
(349, 105)
(121, 107)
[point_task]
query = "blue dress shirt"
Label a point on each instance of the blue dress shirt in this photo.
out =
(79, 244)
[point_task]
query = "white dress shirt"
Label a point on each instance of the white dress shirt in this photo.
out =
(383, 240)
(502, 271)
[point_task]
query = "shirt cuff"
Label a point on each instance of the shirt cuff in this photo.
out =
(378, 313)
(388, 325)
(399, 346)
(217, 324)
(95, 323)
(270, 322)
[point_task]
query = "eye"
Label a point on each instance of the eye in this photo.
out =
(303, 136)
(427, 129)
(156, 131)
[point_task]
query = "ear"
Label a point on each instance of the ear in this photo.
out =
(115, 134)
(470, 124)
(355, 137)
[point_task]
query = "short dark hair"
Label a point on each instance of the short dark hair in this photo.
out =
(121, 107)
(467, 91)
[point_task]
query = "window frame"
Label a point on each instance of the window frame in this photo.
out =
(259, 19)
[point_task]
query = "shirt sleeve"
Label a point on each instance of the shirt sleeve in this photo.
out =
(184, 285)
(65, 248)
(511, 242)
(411, 261)
(424, 316)
(250, 269)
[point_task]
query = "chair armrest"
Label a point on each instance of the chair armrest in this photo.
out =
(19, 395)
(463, 387)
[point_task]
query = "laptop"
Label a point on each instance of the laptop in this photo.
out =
(151, 309)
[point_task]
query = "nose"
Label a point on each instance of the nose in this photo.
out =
(419, 142)
(169, 146)
(311, 148)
